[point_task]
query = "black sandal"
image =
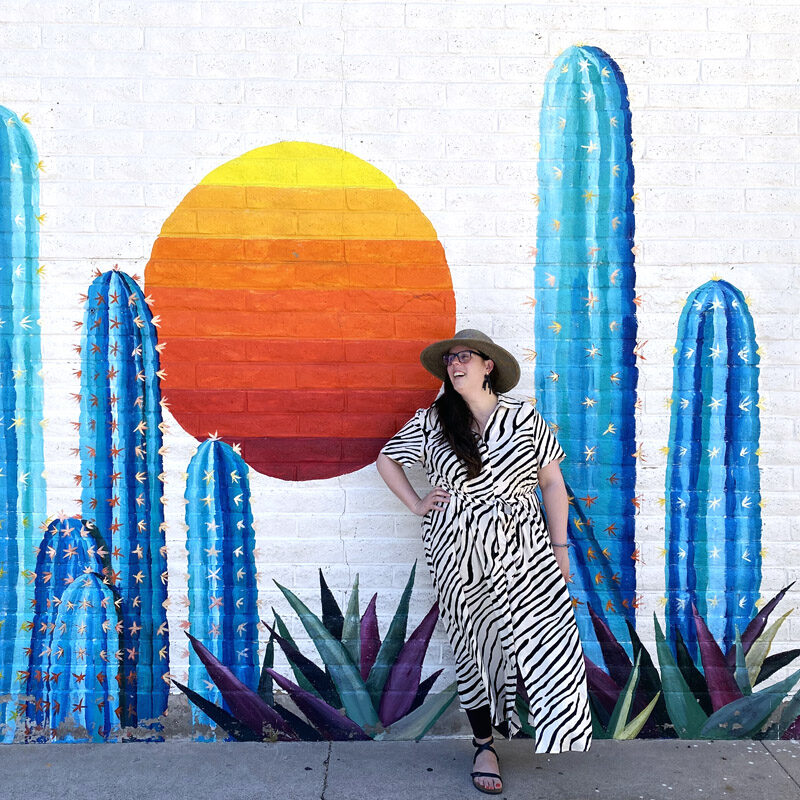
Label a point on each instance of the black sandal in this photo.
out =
(479, 749)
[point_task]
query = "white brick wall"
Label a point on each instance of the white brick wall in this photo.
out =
(132, 103)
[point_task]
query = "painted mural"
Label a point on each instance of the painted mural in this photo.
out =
(586, 327)
(284, 281)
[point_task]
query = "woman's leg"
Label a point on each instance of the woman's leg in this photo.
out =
(481, 722)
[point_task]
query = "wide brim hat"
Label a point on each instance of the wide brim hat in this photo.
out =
(506, 367)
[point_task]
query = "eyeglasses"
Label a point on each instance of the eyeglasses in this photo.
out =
(463, 357)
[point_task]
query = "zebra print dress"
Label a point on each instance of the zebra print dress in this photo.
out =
(503, 600)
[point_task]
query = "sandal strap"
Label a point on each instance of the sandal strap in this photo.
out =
(485, 775)
(486, 746)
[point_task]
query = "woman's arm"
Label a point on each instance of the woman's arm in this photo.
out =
(394, 477)
(556, 506)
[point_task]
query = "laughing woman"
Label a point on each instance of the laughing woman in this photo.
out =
(499, 574)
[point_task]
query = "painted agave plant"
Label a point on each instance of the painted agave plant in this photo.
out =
(370, 688)
(715, 699)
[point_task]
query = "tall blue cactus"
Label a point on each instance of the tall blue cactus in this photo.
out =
(585, 324)
(223, 610)
(22, 485)
(713, 487)
(71, 551)
(122, 480)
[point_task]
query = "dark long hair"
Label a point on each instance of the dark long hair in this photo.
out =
(455, 420)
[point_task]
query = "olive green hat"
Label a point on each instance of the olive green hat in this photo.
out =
(506, 367)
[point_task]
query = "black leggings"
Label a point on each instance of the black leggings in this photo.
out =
(481, 722)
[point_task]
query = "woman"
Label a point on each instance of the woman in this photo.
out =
(499, 579)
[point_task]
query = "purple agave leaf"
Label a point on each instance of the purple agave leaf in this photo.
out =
(244, 703)
(602, 686)
(424, 689)
(617, 662)
(370, 637)
(722, 686)
(403, 681)
(333, 725)
(756, 626)
(793, 731)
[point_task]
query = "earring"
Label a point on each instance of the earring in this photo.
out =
(487, 386)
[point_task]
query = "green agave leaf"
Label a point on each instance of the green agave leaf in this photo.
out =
(416, 724)
(524, 714)
(744, 717)
(344, 674)
(789, 715)
(301, 679)
(619, 716)
(684, 710)
(351, 632)
(632, 729)
(598, 730)
(391, 645)
(776, 662)
(742, 674)
(761, 647)
(265, 680)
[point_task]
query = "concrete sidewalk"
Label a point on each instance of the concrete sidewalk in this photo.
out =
(431, 770)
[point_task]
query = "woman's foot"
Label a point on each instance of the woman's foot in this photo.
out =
(486, 767)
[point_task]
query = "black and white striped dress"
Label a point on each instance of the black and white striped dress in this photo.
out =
(503, 600)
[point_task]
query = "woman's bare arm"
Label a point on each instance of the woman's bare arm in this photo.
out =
(556, 505)
(394, 476)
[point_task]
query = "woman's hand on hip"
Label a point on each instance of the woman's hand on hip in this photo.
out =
(436, 500)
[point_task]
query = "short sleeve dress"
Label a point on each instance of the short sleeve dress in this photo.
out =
(503, 600)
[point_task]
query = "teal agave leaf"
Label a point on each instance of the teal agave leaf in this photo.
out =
(351, 628)
(743, 718)
(344, 673)
(416, 724)
(391, 646)
(684, 710)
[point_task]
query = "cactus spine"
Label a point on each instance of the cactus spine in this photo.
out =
(121, 475)
(22, 485)
(585, 325)
(713, 487)
(220, 540)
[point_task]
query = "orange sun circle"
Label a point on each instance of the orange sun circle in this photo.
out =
(296, 286)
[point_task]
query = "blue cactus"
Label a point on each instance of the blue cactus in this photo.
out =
(585, 325)
(713, 487)
(22, 485)
(122, 480)
(223, 610)
(70, 551)
(82, 679)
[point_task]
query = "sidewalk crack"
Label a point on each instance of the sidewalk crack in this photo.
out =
(786, 771)
(325, 764)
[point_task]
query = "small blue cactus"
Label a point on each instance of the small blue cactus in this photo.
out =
(223, 611)
(713, 486)
(586, 327)
(121, 440)
(22, 484)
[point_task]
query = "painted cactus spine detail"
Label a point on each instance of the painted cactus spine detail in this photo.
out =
(713, 486)
(22, 485)
(585, 324)
(121, 434)
(223, 611)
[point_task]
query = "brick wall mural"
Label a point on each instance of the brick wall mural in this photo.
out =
(189, 515)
